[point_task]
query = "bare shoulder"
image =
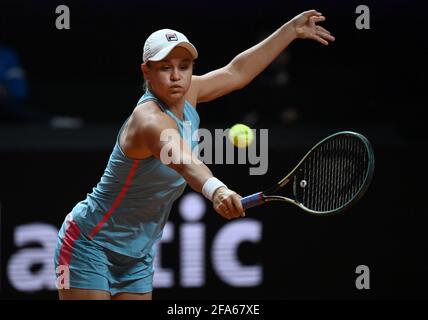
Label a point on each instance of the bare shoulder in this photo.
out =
(148, 115)
(145, 124)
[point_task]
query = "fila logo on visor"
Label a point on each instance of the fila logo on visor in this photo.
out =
(171, 37)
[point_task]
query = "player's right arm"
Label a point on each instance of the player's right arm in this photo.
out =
(155, 133)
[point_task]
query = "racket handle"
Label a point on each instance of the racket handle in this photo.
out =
(253, 200)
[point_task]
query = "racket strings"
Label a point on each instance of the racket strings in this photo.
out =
(333, 174)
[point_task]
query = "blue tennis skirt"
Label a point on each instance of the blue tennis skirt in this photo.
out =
(91, 266)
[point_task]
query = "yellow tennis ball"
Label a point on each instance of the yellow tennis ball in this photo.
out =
(241, 135)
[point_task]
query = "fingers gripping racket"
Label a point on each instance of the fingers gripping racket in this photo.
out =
(330, 178)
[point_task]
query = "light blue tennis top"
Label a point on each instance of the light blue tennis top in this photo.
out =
(127, 210)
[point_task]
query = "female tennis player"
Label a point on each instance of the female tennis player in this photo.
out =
(106, 243)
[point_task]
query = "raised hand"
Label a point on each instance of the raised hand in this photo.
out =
(305, 25)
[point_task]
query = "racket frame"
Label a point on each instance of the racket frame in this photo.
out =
(267, 196)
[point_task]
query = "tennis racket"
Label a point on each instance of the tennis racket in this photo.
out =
(329, 179)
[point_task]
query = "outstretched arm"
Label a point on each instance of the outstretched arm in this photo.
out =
(248, 64)
(155, 131)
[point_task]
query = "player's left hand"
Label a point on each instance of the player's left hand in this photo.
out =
(305, 25)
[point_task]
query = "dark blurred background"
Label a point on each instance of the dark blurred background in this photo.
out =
(72, 90)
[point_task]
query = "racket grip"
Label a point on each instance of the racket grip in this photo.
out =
(253, 200)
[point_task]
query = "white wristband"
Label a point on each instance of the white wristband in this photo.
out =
(210, 186)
